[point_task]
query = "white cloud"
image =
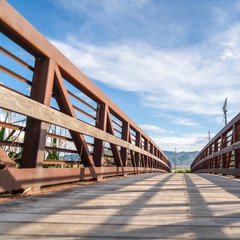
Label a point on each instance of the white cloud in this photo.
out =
(153, 129)
(97, 8)
(185, 122)
(195, 79)
(167, 141)
(186, 142)
(227, 54)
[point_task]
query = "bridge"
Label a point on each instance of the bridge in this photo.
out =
(59, 130)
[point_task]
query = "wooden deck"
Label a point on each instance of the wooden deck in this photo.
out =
(150, 206)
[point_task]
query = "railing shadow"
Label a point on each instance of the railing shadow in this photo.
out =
(41, 206)
(117, 218)
(200, 199)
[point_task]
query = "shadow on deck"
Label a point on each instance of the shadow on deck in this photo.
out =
(150, 206)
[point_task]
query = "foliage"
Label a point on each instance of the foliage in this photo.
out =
(11, 154)
(53, 155)
(181, 171)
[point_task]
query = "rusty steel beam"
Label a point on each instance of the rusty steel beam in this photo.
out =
(24, 34)
(226, 149)
(101, 123)
(114, 147)
(125, 136)
(35, 132)
(65, 106)
(236, 138)
(51, 67)
(138, 144)
(131, 151)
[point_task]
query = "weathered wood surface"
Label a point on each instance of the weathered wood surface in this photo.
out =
(150, 206)
(20, 104)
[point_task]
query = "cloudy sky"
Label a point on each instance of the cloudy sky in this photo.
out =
(169, 64)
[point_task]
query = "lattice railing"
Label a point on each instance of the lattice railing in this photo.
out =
(222, 154)
(56, 124)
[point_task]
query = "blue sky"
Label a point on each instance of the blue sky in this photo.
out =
(169, 64)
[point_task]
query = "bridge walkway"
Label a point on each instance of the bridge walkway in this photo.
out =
(148, 206)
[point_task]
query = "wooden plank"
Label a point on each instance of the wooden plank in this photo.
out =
(20, 104)
(117, 220)
(152, 206)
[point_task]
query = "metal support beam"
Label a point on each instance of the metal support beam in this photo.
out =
(125, 136)
(146, 148)
(236, 138)
(223, 145)
(101, 123)
(131, 151)
(114, 147)
(65, 106)
(35, 133)
(138, 144)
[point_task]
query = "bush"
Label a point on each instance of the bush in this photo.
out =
(181, 171)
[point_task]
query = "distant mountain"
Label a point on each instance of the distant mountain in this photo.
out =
(184, 159)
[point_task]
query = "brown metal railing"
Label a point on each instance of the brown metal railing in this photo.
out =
(222, 154)
(67, 122)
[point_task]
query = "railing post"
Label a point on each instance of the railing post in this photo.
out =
(151, 160)
(223, 156)
(236, 138)
(138, 144)
(35, 134)
(125, 136)
(210, 153)
(101, 122)
(146, 149)
(215, 150)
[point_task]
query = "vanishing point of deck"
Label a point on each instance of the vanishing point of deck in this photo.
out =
(149, 206)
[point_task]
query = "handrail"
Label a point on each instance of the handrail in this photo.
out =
(17, 103)
(50, 73)
(221, 154)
